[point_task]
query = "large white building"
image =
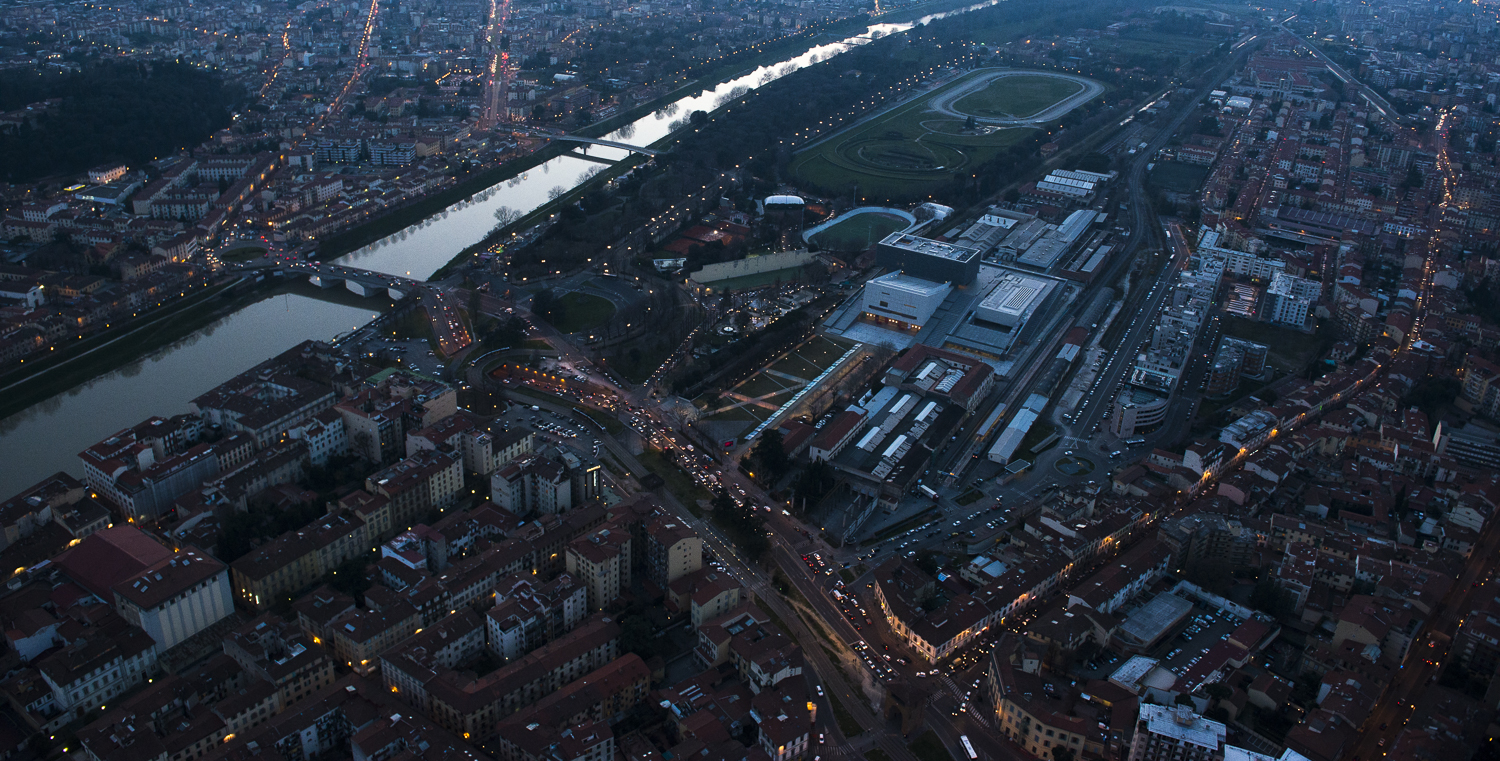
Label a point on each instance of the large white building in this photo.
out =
(177, 597)
(1290, 299)
(1013, 300)
(1175, 733)
(1135, 410)
(904, 299)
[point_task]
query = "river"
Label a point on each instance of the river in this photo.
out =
(419, 250)
(48, 437)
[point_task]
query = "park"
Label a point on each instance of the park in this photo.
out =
(907, 150)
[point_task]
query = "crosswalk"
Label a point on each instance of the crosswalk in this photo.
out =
(975, 709)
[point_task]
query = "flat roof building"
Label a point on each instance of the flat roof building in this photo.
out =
(928, 259)
(905, 299)
(1013, 299)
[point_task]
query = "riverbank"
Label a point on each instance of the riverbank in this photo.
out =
(114, 349)
(706, 78)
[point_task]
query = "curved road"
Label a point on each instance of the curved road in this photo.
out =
(943, 104)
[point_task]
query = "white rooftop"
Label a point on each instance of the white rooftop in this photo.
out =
(930, 247)
(1181, 724)
(1014, 294)
(913, 285)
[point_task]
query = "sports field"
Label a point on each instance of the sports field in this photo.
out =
(583, 311)
(1016, 96)
(859, 232)
(908, 151)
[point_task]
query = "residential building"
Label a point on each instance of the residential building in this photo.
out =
(281, 654)
(1175, 733)
(672, 550)
(297, 559)
(176, 598)
(533, 485)
(103, 661)
(428, 480)
(601, 562)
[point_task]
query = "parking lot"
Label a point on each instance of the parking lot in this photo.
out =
(1203, 630)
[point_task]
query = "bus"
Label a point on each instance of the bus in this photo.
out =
(1134, 442)
(968, 747)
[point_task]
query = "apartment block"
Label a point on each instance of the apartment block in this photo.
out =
(263, 404)
(672, 550)
(426, 481)
(533, 485)
(379, 415)
(474, 706)
(1175, 733)
(176, 598)
(297, 559)
(279, 653)
(574, 721)
(103, 661)
(601, 562)
(527, 615)
(463, 434)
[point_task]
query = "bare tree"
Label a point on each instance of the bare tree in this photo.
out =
(507, 216)
(556, 192)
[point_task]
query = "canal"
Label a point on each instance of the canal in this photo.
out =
(48, 436)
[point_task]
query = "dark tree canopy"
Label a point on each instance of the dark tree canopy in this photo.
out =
(110, 111)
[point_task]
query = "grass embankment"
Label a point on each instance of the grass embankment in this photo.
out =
(684, 488)
(847, 724)
(40, 379)
(611, 424)
(909, 523)
(969, 497)
(928, 747)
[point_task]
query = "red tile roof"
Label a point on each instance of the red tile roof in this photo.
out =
(106, 558)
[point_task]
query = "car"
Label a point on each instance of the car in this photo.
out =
(820, 690)
(820, 738)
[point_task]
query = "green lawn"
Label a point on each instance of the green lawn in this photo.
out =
(748, 414)
(847, 724)
(758, 280)
(859, 232)
(243, 254)
(1016, 96)
(1178, 177)
(1288, 350)
(612, 425)
(1035, 436)
(687, 491)
(969, 497)
(902, 154)
(583, 312)
(761, 385)
(928, 747)
(539, 344)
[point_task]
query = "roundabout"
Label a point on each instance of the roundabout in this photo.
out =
(1073, 465)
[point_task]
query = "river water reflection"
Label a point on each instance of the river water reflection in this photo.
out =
(47, 437)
